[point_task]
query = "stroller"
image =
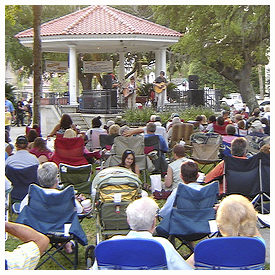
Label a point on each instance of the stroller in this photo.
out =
(113, 188)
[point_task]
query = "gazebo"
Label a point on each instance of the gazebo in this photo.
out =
(102, 29)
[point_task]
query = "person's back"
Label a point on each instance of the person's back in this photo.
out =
(141, 216)
(22, 158)
(256, 137)
(93, 134)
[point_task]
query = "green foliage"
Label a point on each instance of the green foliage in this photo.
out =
(142, 116)
(9, 92)
(145, 89)
(138, 116)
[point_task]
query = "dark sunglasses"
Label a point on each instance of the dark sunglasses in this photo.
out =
(130, 152)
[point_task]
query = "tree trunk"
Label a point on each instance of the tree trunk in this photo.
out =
(261, 85)
(37, 57)
(242, 79)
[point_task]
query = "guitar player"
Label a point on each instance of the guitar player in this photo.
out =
(160, 84)
(130, 93)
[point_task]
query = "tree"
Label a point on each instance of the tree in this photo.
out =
(230, 39)
(37, 58)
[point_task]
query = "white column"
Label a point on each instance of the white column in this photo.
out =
(72, 74)
(157, 64)
(121, 72)
(163, 68)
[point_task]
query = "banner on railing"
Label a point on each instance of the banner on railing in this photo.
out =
(56, 66)
(98, 66)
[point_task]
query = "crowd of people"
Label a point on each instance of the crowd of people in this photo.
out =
(243, 135)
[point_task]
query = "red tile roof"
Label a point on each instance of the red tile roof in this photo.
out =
(100, 20)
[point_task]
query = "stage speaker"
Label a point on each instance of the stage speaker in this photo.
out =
(113, 98)
(196, 97)
(107, 81)
(193, 82)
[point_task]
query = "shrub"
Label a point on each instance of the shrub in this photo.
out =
(139, 117)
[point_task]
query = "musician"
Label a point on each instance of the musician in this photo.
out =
(160, 84)
(131, 93)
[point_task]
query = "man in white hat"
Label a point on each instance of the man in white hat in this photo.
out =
(256, 137)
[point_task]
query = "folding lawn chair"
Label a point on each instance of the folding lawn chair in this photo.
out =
(78, 176)
(48, 213)
(135, 143)
(20, 179)
(69, 151)
(190, 216)
(205, 149)
(152, 144)
(180, 132)
(249, 177)
(230, 253)
(130, 254)
(106, 141)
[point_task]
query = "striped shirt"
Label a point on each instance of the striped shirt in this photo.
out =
(24, 257)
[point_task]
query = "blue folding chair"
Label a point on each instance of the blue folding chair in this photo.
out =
(47, 213)
(190, 216)
(21, 179)
(130, 254)
(230, 253)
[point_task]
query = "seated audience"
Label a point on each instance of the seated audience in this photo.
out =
(47, 174)
(141, 216)
(267, 112)
(244, 114)
(173, 178)
(108, 125)
(8, 146)
(238, 150)
(161, 131)
(200, 126)
(256, 137)
(236, 216)
(211, 121)
(26, 256)
(230, 135)
(266, 125)
(64, 124)
(189, 173)
(31, 136)
(93, 134)
(255, 116)
(265, 149)
(241, 128)
(176, 120)
(151, 131)
(22, 158)
(40, 150)
(226, 118)
(128, 161)
(219, 126)
(170, 120)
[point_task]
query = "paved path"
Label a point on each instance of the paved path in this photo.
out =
(15, 131)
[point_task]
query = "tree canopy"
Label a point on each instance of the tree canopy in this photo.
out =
(230, 39)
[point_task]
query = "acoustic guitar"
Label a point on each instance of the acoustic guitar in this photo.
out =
(159, 87)
(128, 91)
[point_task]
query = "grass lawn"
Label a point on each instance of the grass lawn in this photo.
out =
(89, 227)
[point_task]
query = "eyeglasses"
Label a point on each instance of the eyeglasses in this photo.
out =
(129, 152)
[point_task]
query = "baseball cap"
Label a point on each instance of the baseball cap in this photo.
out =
(21, 140)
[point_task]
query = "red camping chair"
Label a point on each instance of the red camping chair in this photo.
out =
(69, 151)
